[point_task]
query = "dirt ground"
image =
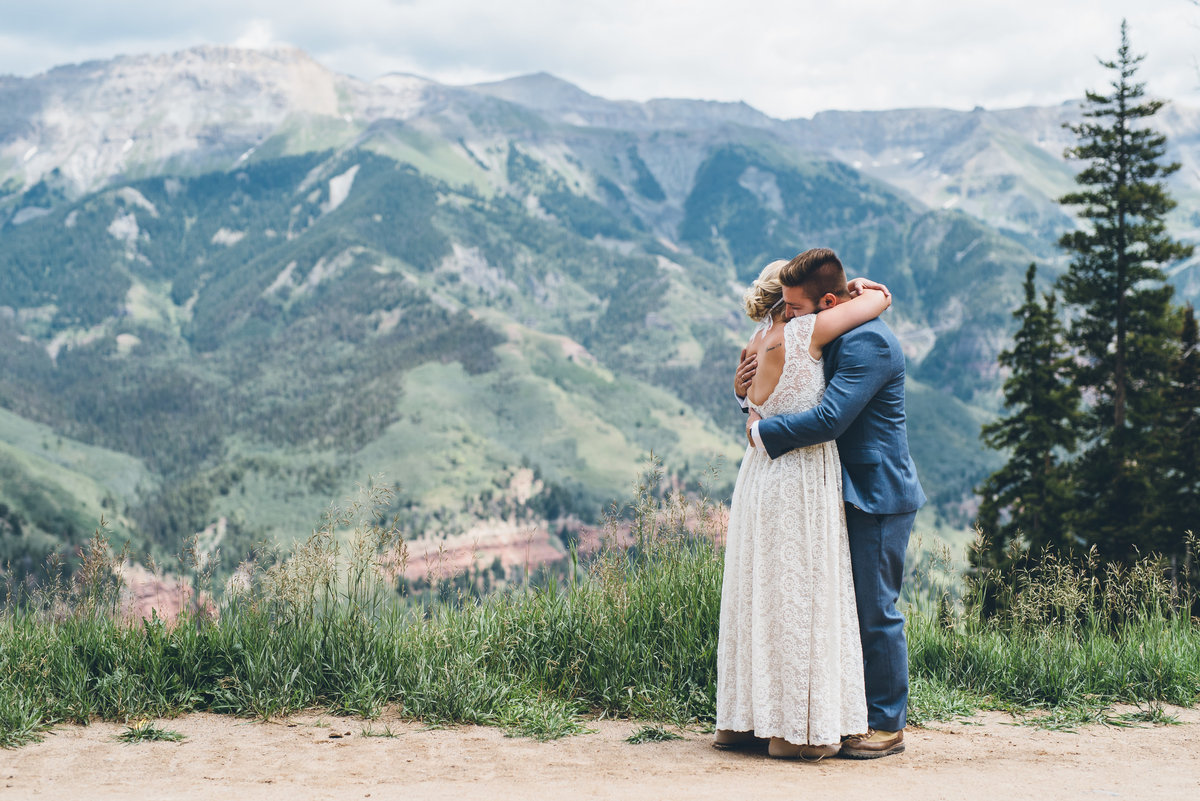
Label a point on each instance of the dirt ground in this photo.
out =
(301, 758)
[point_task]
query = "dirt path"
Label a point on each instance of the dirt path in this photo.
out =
(226, 758)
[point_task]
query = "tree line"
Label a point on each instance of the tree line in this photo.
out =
(1103, 396)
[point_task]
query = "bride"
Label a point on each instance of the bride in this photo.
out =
(789, 658)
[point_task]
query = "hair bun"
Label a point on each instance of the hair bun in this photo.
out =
(764, 292)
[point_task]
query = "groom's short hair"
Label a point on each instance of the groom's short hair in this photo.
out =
(818, 271)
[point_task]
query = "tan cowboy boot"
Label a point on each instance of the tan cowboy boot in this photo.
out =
(873, 744)
(727, 739)
(782, 749)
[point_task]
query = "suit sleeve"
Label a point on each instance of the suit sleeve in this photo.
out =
(862, 369)
(742, 403)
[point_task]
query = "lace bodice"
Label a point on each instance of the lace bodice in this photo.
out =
(802, 382)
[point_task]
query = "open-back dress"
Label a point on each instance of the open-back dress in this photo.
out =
(789, 659)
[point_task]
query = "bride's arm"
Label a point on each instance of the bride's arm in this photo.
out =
(832, 323)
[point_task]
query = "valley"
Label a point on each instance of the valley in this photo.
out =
(235, 284)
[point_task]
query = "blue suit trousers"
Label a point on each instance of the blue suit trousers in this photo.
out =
(877, 547)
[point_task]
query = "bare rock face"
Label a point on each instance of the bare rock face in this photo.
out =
(202, 107)
(147, 594)
(213, 107)
(516, 545)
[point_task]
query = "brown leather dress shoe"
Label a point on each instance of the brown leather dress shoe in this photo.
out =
(872, 745)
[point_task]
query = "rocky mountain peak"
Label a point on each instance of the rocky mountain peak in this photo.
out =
(541, 90)
(101, 119)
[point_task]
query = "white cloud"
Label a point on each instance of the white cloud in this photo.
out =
(789, 58)
(257, 35)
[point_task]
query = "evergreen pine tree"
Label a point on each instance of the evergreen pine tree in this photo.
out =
(1120, 307)
(1179, 436)
(1032, 491)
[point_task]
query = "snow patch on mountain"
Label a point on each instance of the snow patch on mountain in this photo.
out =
(472, 267)
(764, 186)
(28, 213)
(339, 188)
(325, 269)
(124, 227)
(132, 197)
(283, 280)
(224, 236)
(126, 343)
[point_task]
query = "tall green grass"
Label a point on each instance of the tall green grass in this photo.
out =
(1053, 631)
(631, 634)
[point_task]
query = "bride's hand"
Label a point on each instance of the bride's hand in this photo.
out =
(856, 287)
(746, 368)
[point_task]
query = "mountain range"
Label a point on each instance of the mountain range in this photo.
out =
(234, 283)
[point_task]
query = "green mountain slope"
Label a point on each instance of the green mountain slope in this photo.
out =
(452, 300)
(54, 491)
(266, 338)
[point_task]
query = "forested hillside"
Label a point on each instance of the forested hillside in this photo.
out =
(503, 298)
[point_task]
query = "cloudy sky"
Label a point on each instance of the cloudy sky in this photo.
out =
(789, 58)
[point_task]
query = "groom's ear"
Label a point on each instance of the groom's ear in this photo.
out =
(828, 300)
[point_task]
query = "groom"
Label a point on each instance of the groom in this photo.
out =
(863, 409)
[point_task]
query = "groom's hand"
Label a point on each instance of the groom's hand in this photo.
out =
(751, 419)
(745, 373)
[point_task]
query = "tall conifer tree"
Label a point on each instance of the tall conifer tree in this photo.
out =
(1120, 306)
(1032, 491)
(1180, 440)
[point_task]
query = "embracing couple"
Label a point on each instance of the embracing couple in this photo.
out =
(812, 655)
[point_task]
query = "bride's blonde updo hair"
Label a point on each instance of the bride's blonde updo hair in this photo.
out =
(765, 292)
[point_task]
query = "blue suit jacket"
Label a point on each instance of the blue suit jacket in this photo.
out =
(863, 409)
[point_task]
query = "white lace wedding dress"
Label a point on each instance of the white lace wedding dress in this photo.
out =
(789, 659)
